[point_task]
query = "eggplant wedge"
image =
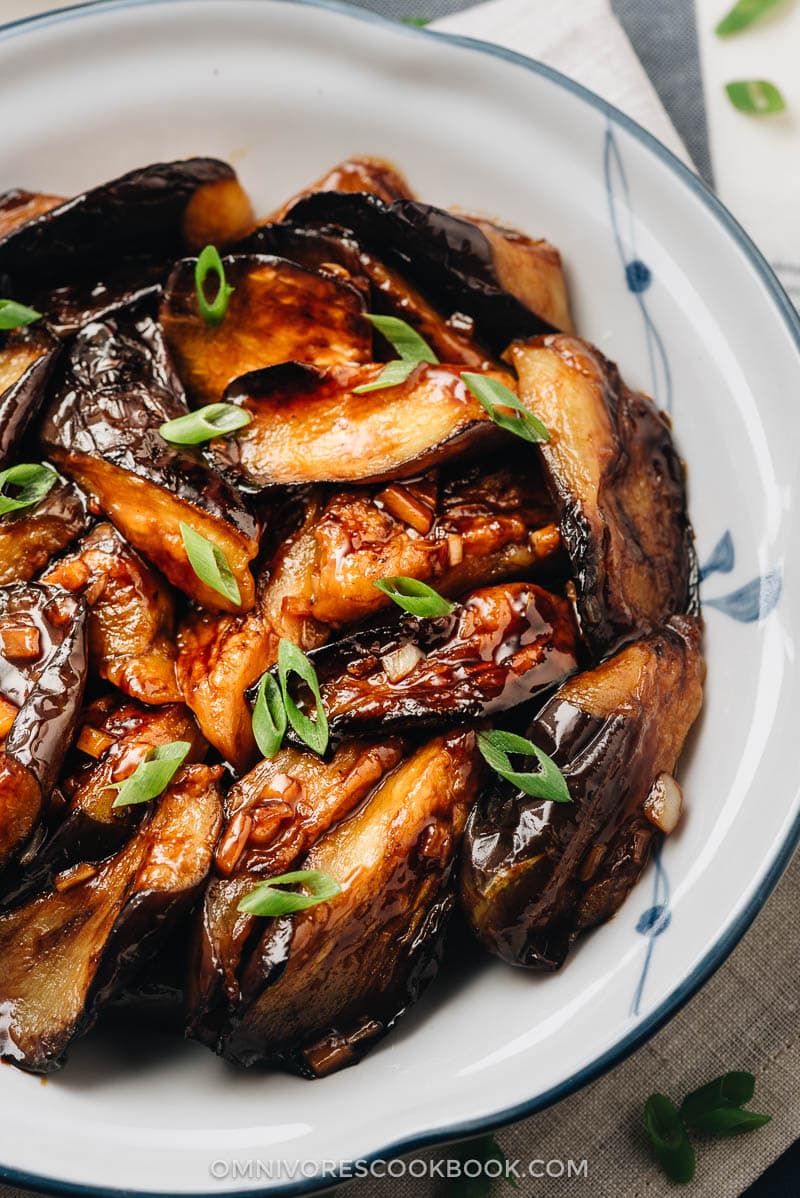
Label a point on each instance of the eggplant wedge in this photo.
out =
(120, 237)
(82, 823)
(27, 357)
(31, 537)
(43, 666)
(68, 951)
(322, 986)
(531, 270)
(114, 389)
(220, 656)
(131, 615)
(18, 206)
(460, 528)
(449, 259)
(622, 504)
(536, 874)
(375, 175)
(497, 649)
(277, 312)
(274, 815)
(311, 426)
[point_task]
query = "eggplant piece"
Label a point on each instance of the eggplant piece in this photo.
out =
(619, 487)
(529, 269)
(31, 537)
(68, 951)
(310, 426)
(361, 173)
(468, 526)
(535, 874)
(278, 311)
(274, 815)
(82, 823)
(27, 357)
(131, 615)
(42, 676)
(450, 260)
(18, 206)
(220, 656)
(322, 986)
(115, 388)
(497, 649)
(385, 289)
(120, 237)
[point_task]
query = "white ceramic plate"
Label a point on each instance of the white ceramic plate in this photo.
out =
(284, 90)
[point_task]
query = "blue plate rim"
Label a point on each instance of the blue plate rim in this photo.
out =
(721, 949)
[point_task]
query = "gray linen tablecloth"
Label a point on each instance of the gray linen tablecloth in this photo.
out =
(746, 1017)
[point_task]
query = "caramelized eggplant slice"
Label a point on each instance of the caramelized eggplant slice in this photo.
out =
(220, 656)
(278, 311)
(42, 676)
(323, 985)
(498, 648)
(273, 817)
(18, 206)
(83, 825)
(462, 528)
(619, 487)
(535, 873)
(374, 175)
(31, 537)
(449, 259)
(119, 238)
(131, 615)
(311, 426)
(115, 388)
(27, 357)
(530, 270)
(70, 950)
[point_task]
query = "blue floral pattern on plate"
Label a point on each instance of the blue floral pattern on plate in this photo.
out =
(749, 603)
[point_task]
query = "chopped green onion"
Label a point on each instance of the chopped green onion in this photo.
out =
(407, 341)
(415, 597)
(269, 716)
(214, 420)
(210, 564)
(209, 262)
(728, 1121)
(266, 900)
(668, 1137)
(417, 22)
(756, 96)
(16, 316)
(33, 481)
(492, 395)
(729, 1090)
(743, 14)
(292, 660)
(548, 783)
(153, 775)
(392, 375)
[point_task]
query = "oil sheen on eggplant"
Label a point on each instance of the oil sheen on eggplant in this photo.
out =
(311, 426)
(622, 506)
(322, 986)
(69, 950)
(27, 357)
(115, 388)
(31, 537)
(43, 667)
(497, 649)
(535, 874)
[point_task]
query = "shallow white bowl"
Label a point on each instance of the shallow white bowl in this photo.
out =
(284, 90)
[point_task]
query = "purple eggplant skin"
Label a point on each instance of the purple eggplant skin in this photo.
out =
(448, 258)
(85, 241)
(113, 390)
(535, 874)
(31, 537)
(495, 650)
(22, 398)
(47, 690)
